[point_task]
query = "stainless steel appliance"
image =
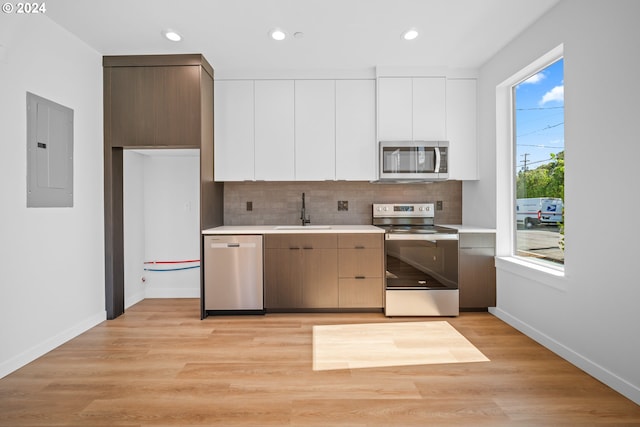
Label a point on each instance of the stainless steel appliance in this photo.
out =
(414, 160)
(233, 274)
(421, 261)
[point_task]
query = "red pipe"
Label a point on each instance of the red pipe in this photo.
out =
(172, 262)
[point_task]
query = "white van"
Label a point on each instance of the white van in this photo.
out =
(538, 210)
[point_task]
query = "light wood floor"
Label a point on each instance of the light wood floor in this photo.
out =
(160, 365)
(374, 345)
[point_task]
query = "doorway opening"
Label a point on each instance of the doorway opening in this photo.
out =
(161, 210)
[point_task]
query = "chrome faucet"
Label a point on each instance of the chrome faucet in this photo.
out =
(303, 213)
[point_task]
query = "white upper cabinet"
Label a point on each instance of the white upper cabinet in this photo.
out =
(429, 109)
(274, 130)
(356, 146)
(315, 149)
(302, 130)
(411, 108)
(395, 109)
(309, 130)
(234, 150)
(462, 129)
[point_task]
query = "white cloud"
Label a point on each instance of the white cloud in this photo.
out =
(536, 78)
(555, 94)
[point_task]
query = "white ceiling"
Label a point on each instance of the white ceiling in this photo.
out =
(338, 34)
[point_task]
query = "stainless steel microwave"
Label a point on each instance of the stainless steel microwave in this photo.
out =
(414, 160)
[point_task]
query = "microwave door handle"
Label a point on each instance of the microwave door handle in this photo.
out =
(437, 168)
(396, 161)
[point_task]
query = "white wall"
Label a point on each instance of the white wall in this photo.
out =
(52, 259)
(134, 225)
(590, 316)
(161, 220)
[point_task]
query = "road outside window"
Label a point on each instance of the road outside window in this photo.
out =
(539, 165)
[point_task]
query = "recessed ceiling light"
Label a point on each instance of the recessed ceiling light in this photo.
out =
(410, 34)
(277, 34)
(172, 35)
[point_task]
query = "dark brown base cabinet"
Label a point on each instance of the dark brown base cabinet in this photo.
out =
(361, 270)
(477, 274)
(323, 271)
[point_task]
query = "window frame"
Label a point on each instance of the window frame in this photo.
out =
(537, 67)
(506, 257)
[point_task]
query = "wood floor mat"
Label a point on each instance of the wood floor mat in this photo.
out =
(372, 345)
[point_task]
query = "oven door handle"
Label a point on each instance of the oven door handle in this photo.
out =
(426, 237)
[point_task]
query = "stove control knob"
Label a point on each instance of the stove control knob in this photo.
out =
(420, 208)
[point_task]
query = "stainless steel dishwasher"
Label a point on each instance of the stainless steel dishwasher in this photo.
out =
(233, 278)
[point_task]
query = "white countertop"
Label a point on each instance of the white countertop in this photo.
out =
(288, 229)
(468, 228)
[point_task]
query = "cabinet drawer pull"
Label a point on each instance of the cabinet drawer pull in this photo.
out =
(360, 247)
(307, 247)
(360, 277)
(293, 248)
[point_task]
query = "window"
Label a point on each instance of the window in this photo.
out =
(538, 138)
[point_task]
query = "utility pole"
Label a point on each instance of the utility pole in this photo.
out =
(524, 168)
(524, 175)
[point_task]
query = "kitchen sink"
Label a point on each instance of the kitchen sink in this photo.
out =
(303, 227)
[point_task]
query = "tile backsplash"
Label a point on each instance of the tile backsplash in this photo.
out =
(280, 202)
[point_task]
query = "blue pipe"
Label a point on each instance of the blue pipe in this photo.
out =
(172, 269)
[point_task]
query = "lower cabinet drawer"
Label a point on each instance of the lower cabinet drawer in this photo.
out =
(360, 293)
(360, 262)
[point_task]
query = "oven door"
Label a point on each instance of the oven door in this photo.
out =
(418, 261)
(421, 275)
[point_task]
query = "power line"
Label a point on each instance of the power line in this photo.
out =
(539, 146)
(538, 108)
(539, 130)
(527, 163)
(540, 161)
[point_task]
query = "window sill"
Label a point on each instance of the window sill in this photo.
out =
(544, 275)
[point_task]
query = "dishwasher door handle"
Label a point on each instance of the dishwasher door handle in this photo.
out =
(232, 245)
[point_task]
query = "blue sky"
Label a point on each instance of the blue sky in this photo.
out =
(539, 123)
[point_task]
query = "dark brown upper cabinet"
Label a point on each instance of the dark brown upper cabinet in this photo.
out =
(155, 100)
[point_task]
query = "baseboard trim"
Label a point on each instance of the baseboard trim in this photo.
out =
(172, 293)
(33, 353)
(599, 372)
(133, 300)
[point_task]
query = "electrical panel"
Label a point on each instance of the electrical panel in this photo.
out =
(49, 153)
